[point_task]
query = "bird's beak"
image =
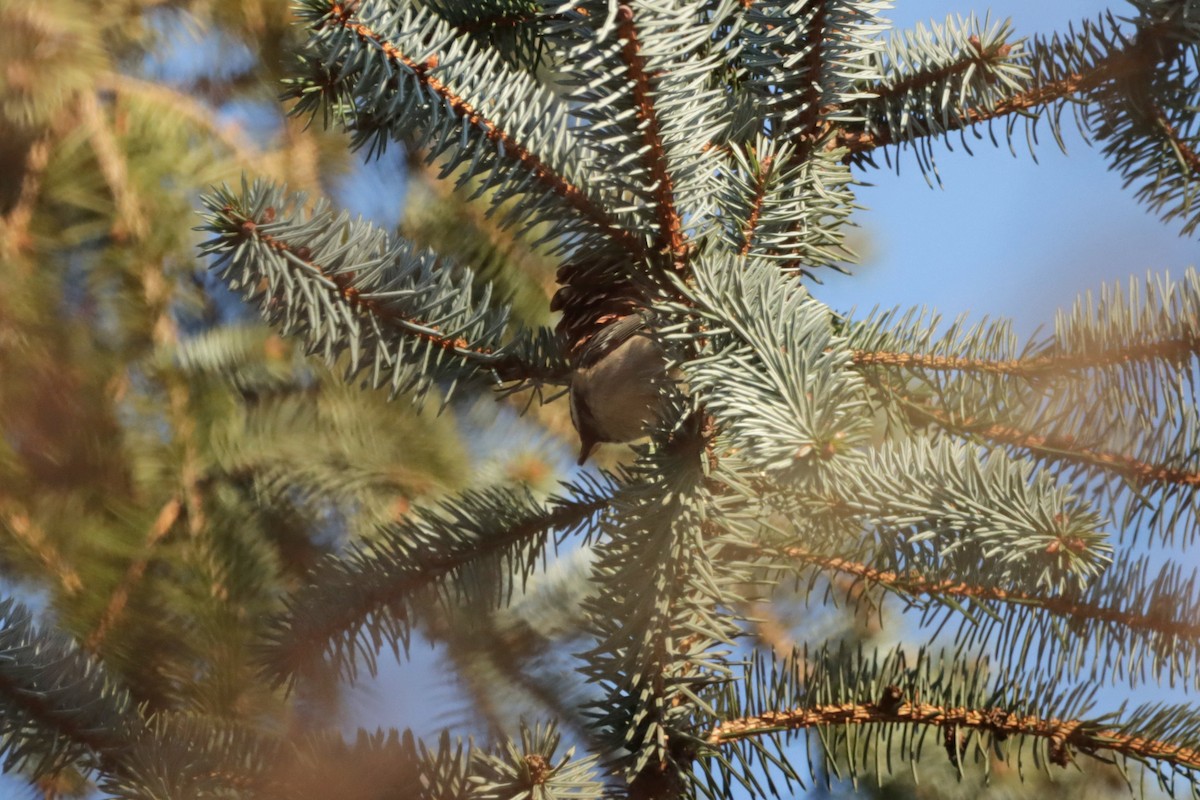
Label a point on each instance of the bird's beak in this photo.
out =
(586, 446)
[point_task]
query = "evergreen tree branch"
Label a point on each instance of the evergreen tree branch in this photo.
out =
(1116, 65)
(798, 68)
(671, 238)
(961, 512)
(531, 768)
(657, 622)
(516, 269)
(180, 754)
(914, 584)
(343, 16)
(1056, 448)
(511, 27)
(130, 221)
(806, 131)
(501, 19)
(411, 319)
(975, 57)
(14, 225)
(1063, 735)
(484, 17)
(756, 205)
(775, 207)
(1147, 123)
(1188, 157)
(31, 537)
(118, 600)
(523, 644)
(1173, 349)
(164, 333)
(59, 707)
(344, 282)
(1063, 448)
(1116, 378)
(356, 603)
(769, 367)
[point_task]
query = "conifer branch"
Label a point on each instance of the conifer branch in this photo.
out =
(915, 584)
(33, 538)
(1063, 736)
(341, 15)
(22, 700)
(931, 77)
(1119, 64)
(14, 226)
(344, 281)
(58, 706)
(1063, 447)
(344, 284)
(167, 516)
(484, 24)
(756, 205)
(1059, 448)
(130, 220)
(1188, 157)
(374, 585)
(1174, 349)
(519, 252)
(808, 130)
(671, 238)
(656, 621)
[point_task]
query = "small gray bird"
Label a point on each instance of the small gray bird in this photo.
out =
(617, 384)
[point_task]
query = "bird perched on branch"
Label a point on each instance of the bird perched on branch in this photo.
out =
(617, 384)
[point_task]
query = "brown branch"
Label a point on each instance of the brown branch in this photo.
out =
(542, 172)
(760, 192)
(1064, 446)
(1063, 735)
(157, 294)
(671, 238)
(34, 540)
(1188, 157)
(387, 597)
(1177, 349)
(344, 286)
(915, 584)
(14, 226)
(921, 80)
(1060, 447)
(130, 218)
(119, 599)
(1116, 65)
(809, 129)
